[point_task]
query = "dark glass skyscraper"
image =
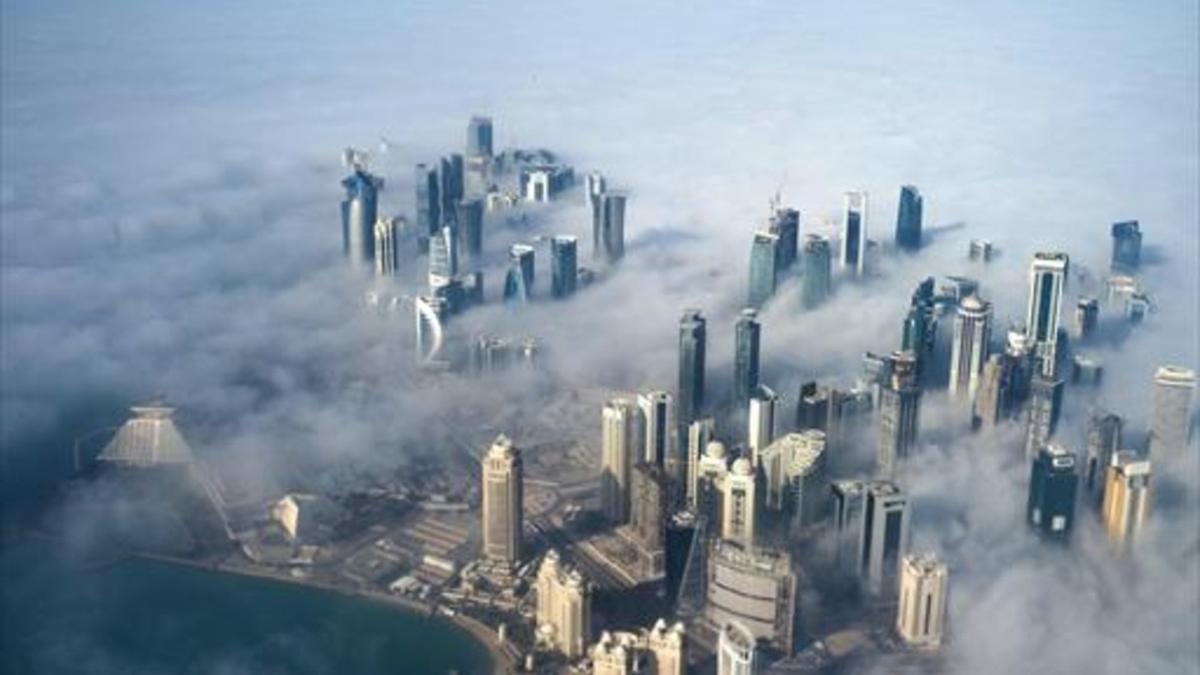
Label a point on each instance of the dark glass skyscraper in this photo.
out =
(429, 202)
(608, 227)
(450, 185)
(854, 234)
(899, 413)
(359, 211)
(479, 137)
(564, 270)
(785, 224)
(908, 219)
(518, 282)
(693, 339)
(764, 266)
(818, 266)
(470, 227)
(1126, 247)
(745, 359)
(1052, 484)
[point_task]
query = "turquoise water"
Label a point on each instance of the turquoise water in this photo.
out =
(141, 617)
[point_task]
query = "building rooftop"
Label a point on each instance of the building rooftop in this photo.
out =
(148, 438)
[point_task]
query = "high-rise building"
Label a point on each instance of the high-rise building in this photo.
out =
(761, 425)
(564, 606)
(620, 447)
(1045, 407)
(793, 468)
(693, 338)
(359, 213)
(450, 185)
(430, 314)
(699, 434)
(812, 407)
(429, 201)
(921, 615)
(648, 516)
(785, 224)
(1126, 247)
(969, 351)
(659, 416)
(564, 268)
(518, 281)
(479, 137)
(756, 587)
(908, 219)
(885, 526)
(443, 257)
(740, 503)
(852, 254)
(595, 187)
(1087, 318)
(764, 268)
(667, 645)
(469, 223)
(658, 651)
(711, 473)
(1171, 422)
(737, 650)
(849, 497)
(817, 271)
(899, 414)
(1047, 277)
(993, 399)
(1052, 483)
(1086, 370)
(1126, 497)
(388, 235)
(608, 227)
(502, 491)
(919, 334)
(1104, 438)
(747, 333)
(980, 250)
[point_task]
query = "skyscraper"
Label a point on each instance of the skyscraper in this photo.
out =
(608, 227)
(756, 587)
(760, 428)
(1126, 497)
(430, 314)
(659, 416)
(429, 201)
(564, 606)
(479, 137)
(899, 414)
(969, 351)
(1103, 440)
(469, 224)
(852, 254)
(1045, 407)
(1052, 484)
(1047, 276)
(450, 185)
(595, 188)
(737, 651)
(993, 398)
(740, 503)
(388, 233)
(443, 257)
(711, 472)
(1126, 247)
(849, 497)
(502, 509)
(817, 271)
(564, 270)
(764, 267)
(747, 332)
(1087, 318)
(518, 281)
(785, 224)
(359, 213)
(885, 525)
(921, 616)
(620, 447)
(793, 468)
(1171, 423)
(693, 337)
(648, 516)
(699, 434)
(908, 219)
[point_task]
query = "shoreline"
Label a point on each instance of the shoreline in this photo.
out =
(501, 661)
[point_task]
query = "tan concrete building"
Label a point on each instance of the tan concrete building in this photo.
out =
(658, 651)
(754, 587)
(921, 615)
(564, 606)
(739, 503)
(1126, 497)
(503, 523)
(621, 437)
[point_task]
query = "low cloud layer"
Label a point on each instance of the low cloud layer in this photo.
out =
(169, 193)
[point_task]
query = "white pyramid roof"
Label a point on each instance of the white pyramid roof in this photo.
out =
(148, 438)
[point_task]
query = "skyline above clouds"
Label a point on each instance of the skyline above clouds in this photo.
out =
(169, 189)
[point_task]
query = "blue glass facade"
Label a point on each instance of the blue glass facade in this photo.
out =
(908, 219)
